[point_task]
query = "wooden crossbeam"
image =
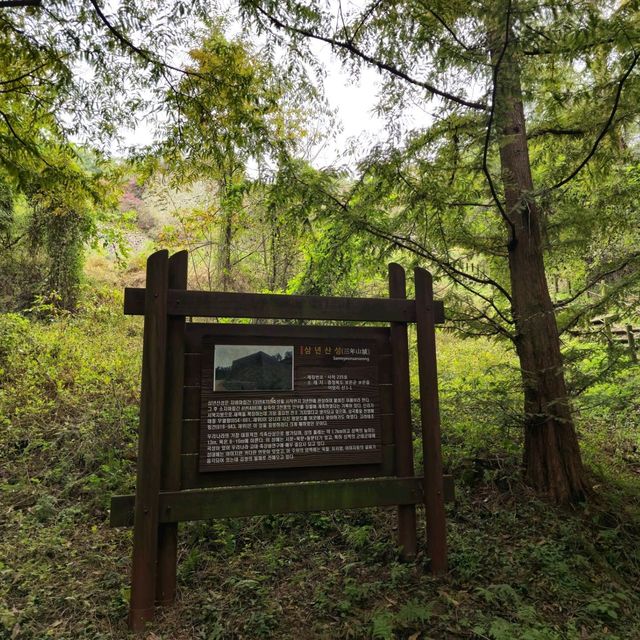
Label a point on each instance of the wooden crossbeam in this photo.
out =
(238, 502)
(261, 305)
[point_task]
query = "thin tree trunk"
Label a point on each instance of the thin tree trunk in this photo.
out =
(227, 209)
(273, 277)
(552, 461)
(226, 237)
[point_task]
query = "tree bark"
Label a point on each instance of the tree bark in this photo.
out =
(552, 461)
(228, 205)
(226, 237)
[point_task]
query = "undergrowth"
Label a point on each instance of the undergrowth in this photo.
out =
(519, 568)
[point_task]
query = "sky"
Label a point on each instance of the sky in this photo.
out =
(353, 100)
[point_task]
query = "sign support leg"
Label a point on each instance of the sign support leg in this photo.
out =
(402, 414)
(145, 533)
(430, 417)
(172, 435)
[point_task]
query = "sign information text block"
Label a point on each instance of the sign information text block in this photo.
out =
(289, 403)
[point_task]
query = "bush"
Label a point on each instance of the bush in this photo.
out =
(480, 397)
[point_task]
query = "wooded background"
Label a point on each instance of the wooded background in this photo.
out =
(520, 194)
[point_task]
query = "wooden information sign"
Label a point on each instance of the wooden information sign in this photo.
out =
(250, 419)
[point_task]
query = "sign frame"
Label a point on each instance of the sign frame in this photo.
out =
(170, 487)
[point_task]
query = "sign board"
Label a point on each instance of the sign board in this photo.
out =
(290, 402)
(249, 419)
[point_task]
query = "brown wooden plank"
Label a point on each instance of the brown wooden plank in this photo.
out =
(190, 436)
(386, 398)
(172, 436)
(389, 460)
(191, 403)
(385, 368)
(145, 534)
(196, 331)
(122, 506)
(203, 504)
(387, 428)
(399, 368)
(430, 418)
(262, 305)
(192, 367)
(449, 488)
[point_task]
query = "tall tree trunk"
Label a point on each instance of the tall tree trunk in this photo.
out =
(552, 462)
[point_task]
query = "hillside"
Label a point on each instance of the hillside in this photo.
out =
(520, 568)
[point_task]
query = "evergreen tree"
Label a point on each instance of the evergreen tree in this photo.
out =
(526, 97)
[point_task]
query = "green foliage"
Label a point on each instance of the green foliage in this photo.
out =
(433, 191)
(55, 214)
(240, 112)
(68, 417)
(64, 69)
(67, 394)
(235, 105)
(480, 404)
(69, 382)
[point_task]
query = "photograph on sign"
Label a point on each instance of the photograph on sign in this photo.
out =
(242, 367)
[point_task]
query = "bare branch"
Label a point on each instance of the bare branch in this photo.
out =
(145, 54)
(366, 15)
(567, 50)
(385, 66)
(17, 239)
(556, 131)
(24, 75)
(457, 275)
(598, 377)
(452, 272)
(590, 308)
(21, 140)
(481, 205)
(4, 4)
(447, 28)
(634, 256)
(482, 316)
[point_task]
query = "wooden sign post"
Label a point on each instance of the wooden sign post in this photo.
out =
(250, 419)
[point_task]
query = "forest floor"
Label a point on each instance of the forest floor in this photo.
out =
(519, 567)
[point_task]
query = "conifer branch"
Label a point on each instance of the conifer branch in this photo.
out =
(145, 54)
(594, 281)
(30, 148)
(456, 274)
(349, 46)
(605, 129)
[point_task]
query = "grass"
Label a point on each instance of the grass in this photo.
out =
(519, 568)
